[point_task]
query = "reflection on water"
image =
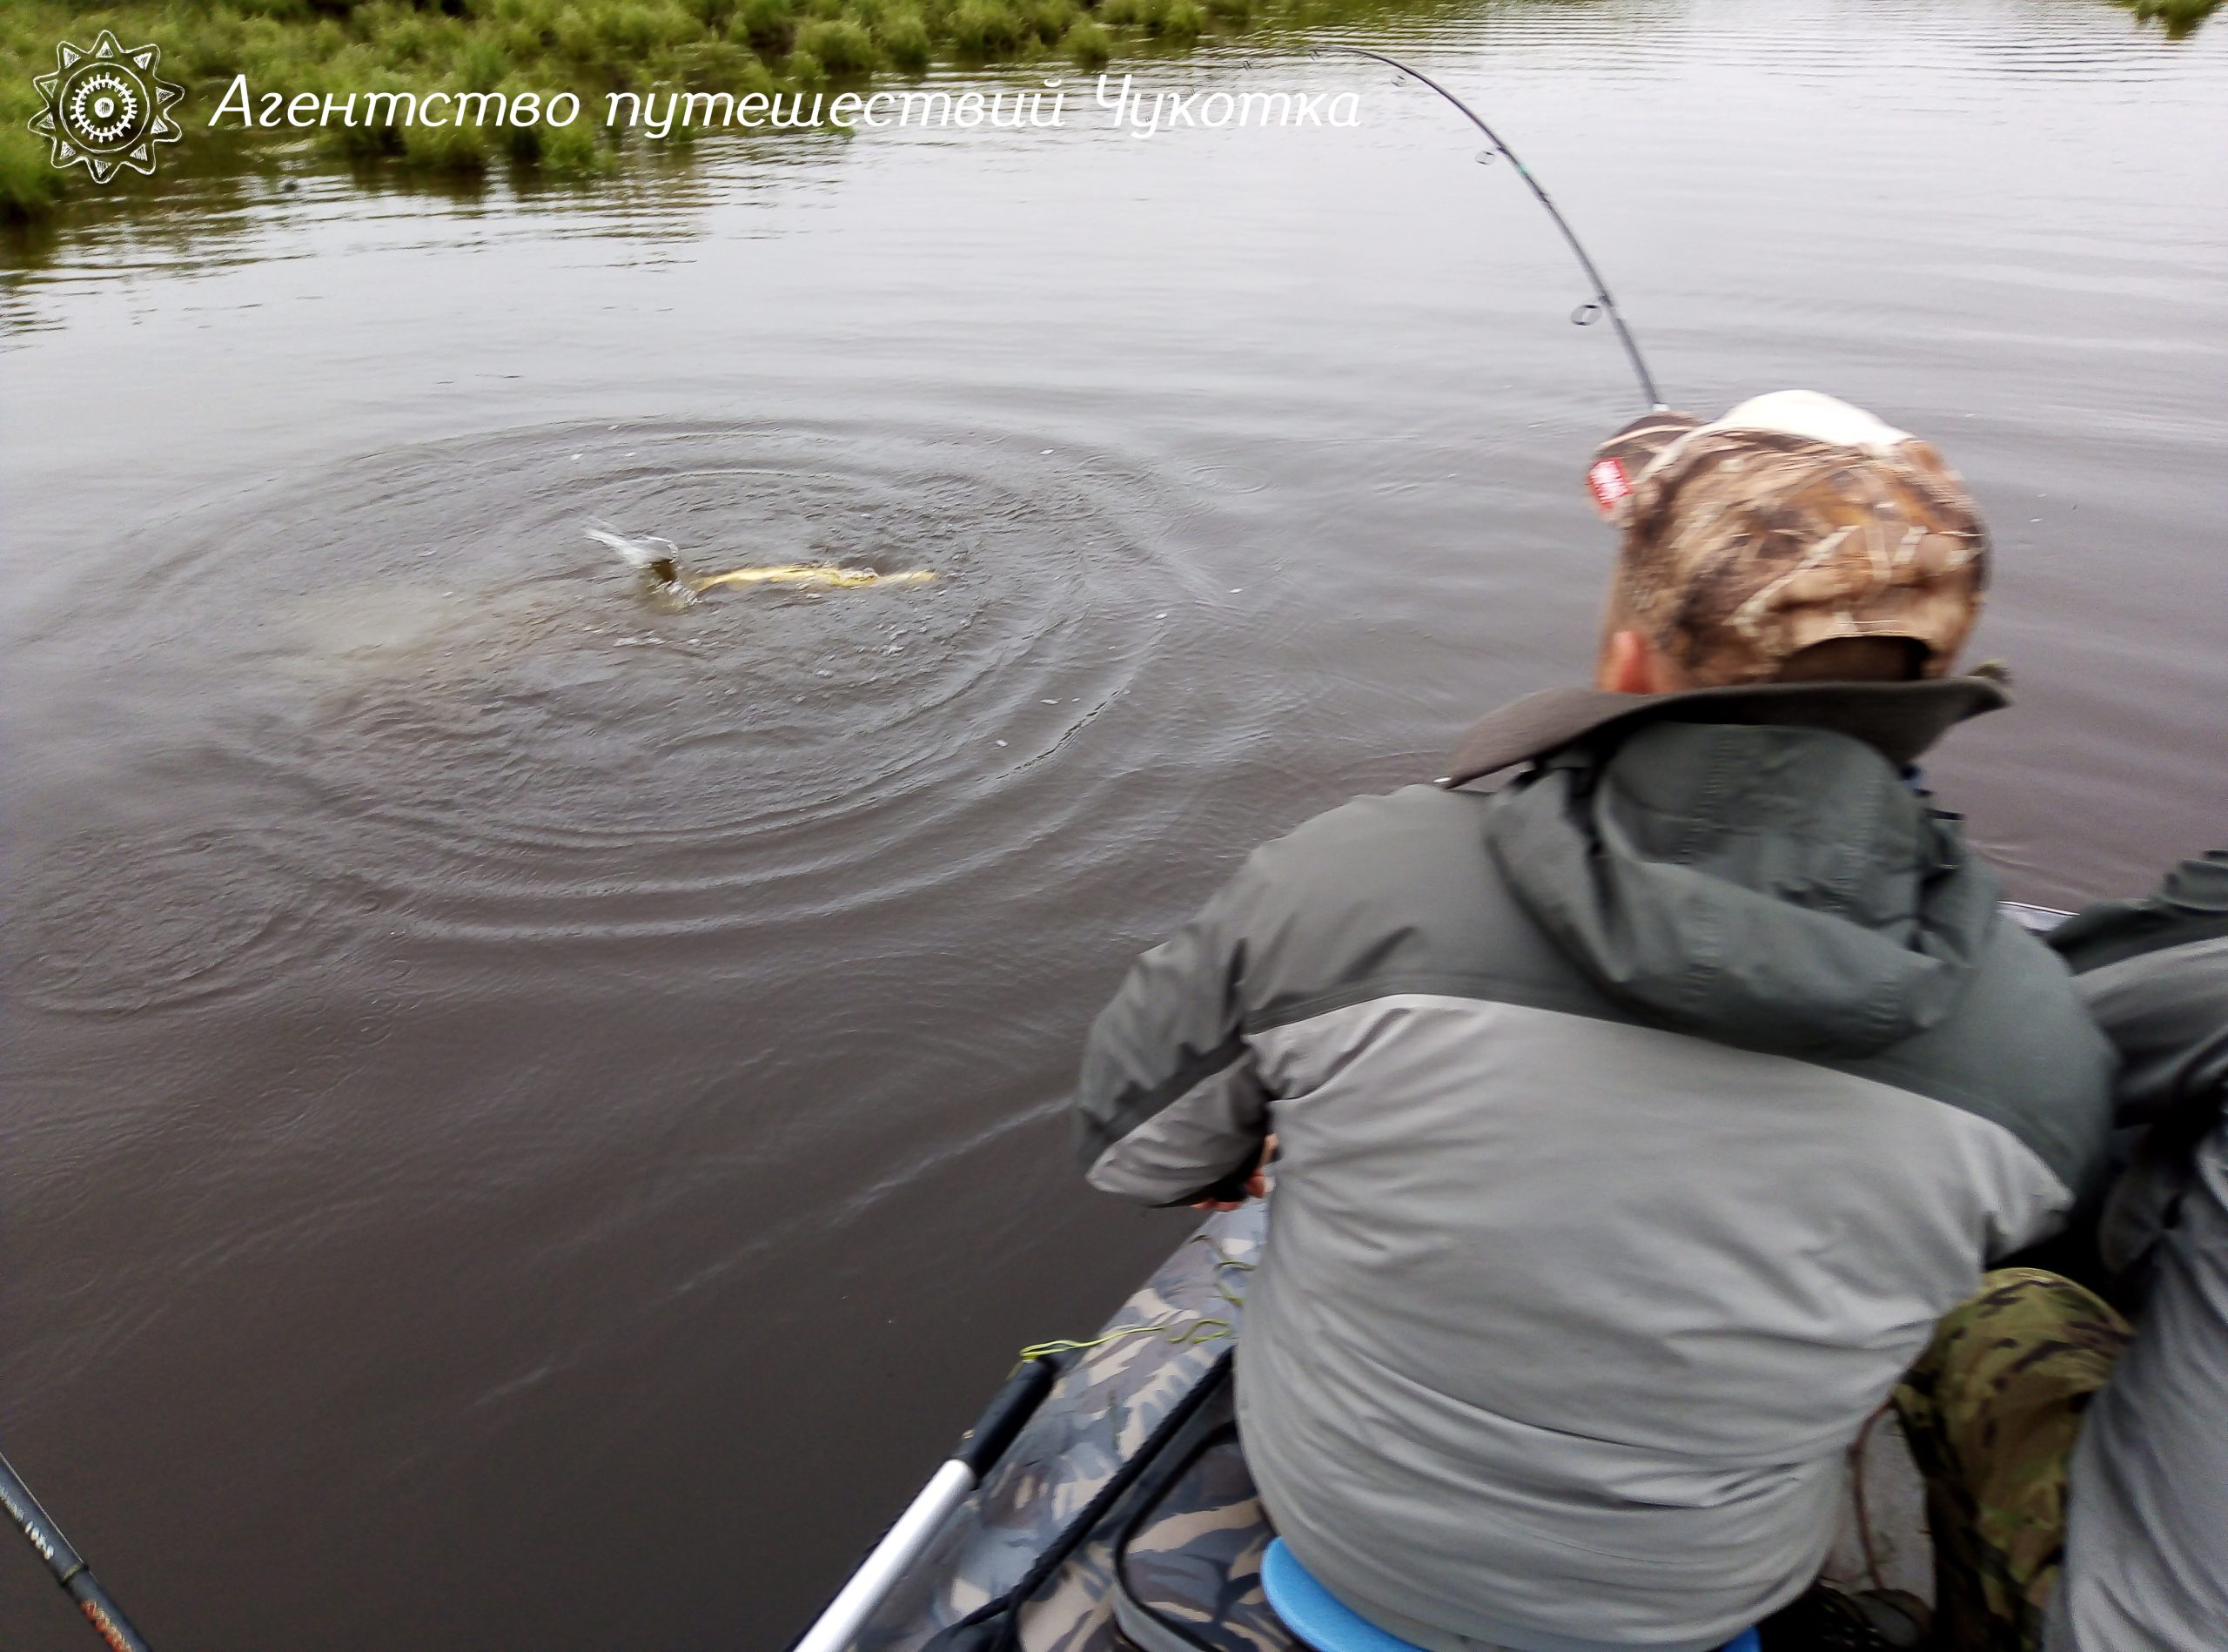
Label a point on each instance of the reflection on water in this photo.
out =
(512, 1090)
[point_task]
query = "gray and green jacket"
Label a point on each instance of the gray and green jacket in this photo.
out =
(1637, 1121)
(2146, 1549)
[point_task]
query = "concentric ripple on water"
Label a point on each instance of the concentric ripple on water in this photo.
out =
(455, 710)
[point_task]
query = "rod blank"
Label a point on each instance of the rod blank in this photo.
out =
(1600, 288)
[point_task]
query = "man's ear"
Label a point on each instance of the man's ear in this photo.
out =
(1628, 665)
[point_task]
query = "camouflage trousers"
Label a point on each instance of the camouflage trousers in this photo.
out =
(1992, 1410)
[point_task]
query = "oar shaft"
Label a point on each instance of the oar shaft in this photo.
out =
(892, 1557)
(950, 1486)
(67, 1566)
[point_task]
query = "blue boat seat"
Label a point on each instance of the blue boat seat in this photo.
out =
(1325, 1623)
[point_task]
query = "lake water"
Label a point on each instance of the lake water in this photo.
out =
(529, 1121)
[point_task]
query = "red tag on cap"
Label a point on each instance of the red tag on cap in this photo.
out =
(1606, 480)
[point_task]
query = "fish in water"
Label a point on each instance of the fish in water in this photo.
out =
(659, 561)
(813, 575)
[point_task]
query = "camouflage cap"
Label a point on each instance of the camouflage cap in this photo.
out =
(1794, 520)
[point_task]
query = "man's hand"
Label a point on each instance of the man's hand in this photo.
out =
(1257, 1184)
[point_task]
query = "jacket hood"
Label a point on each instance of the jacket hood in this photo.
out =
(1779, 887)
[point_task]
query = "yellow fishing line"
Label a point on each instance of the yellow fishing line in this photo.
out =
(1182, 1332)
(1179, 1331)
(815, 575)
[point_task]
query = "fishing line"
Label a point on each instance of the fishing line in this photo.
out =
(1178, 1330)
(1602, 304)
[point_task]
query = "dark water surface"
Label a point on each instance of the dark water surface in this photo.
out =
(528, 1121)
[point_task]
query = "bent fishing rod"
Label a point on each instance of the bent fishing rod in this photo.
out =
(67, 1566)
(1603, 303)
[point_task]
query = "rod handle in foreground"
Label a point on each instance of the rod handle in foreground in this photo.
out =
(67, 1566)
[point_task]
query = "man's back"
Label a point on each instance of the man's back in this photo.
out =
(1636, 1123)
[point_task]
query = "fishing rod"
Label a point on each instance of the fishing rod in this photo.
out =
(1603, 303)
(67, 1566)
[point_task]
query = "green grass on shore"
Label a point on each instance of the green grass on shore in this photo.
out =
(592, 47)
(587, 47)
(2179, 16)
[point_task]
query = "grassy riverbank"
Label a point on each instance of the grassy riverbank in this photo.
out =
(2179, 16)
(592, 47)
(587, 47)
